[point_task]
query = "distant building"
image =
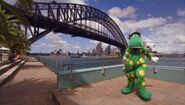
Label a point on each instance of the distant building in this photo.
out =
(4, 54)
(115, 51)
(57, 52)
(99, 49)
(68, 53)
(107, 50)
(94, 52)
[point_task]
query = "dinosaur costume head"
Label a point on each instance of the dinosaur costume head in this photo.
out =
(135, 40)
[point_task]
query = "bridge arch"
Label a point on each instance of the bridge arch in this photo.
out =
(72, 19)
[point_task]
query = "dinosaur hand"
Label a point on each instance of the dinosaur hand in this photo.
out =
(155, 59)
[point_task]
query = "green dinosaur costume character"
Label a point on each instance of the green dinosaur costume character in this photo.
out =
(135, 66)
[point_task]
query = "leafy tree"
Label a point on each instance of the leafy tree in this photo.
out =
(10, 35)
(7, 27)
(24, 4)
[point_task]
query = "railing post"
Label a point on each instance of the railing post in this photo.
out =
(103, 69)
(71, 72)
(62, 67)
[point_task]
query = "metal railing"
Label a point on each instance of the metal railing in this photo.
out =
(101, 63)
(58, 65)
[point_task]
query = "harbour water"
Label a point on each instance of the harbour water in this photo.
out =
(59, 63)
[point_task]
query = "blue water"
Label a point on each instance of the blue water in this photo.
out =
(58, 63)
(170, 61)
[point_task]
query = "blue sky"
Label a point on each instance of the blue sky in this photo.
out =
(161, 22)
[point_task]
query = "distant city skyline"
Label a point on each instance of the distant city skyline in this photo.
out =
(161, 22)
(97, 51)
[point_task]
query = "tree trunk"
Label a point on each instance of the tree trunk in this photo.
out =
(12, 54)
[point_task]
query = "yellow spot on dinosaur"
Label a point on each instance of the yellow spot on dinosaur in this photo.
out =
(144, 65)
(141, 60)
(143, 83)
(131, 62)
(141, 72)
(126, 53)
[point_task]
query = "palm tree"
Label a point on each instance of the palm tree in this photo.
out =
(25, 4)
(7, 26)
(11, 36)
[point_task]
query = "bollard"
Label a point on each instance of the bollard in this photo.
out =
(103, 70)
(71, 74)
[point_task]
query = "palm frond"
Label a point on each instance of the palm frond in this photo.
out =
(14, 11)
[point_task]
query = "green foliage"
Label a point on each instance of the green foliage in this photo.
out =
(10, 35)
(14, 11)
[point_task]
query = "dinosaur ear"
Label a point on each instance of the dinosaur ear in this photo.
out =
(136, 32)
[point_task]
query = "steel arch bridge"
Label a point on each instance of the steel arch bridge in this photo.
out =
(74, 19)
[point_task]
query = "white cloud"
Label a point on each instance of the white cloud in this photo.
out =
(169, 17)
(122, 12)
(76, 47)
(56, 40)
(146, 23)
(148, 41)
(124, 28)
(94, 42)
(104, 45)
(165, 36)
(39, 45)
(181, 12)
(131, 25)
(169, 38)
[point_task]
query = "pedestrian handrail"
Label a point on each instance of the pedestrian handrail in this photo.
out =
(71, 66)
(87, 62)
(59, 65)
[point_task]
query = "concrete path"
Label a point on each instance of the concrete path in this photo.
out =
(108, 93)
(32, 85)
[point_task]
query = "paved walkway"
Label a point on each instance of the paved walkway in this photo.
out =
(32, 85)
(108, 93)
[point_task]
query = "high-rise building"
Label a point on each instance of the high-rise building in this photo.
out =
(94, 52)
(108, 50)
(99, 49)
(115, 51)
